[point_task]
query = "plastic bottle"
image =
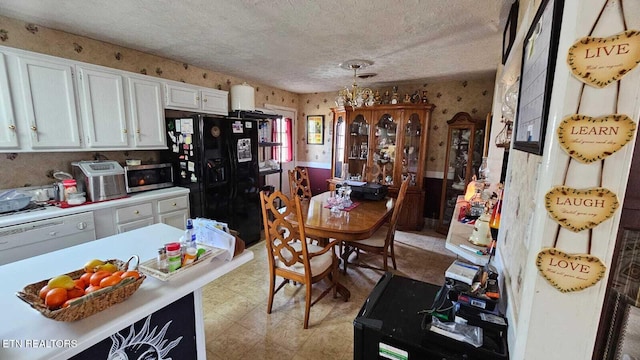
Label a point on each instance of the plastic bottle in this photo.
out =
(174, 258)
(189, 238)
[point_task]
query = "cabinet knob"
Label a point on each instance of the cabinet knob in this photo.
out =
(205, 100)
(136, 212)
(124, 131)
(12, 127)
(34, 128)
(174, 204)
(197, 97)
(138, 131)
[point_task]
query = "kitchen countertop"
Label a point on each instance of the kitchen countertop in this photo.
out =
(54, 211)
(21, 322)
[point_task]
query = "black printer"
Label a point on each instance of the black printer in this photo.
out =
(369, 191)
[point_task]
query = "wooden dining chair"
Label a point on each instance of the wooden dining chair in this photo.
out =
(382, 241)
(290, 257)
(299, 183)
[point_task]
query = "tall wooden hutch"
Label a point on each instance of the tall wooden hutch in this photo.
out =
(384, 144)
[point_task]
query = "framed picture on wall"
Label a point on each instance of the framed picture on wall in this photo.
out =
(509, 34)
(540, 48)
(315, 129)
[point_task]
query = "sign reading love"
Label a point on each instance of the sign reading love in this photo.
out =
(580, 209)
(588, 139)
(567, 272)
(600, 61)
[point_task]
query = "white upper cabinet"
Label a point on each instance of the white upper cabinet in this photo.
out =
(188, 97)
(8, 135)
(215, 101)
(147, 113)
(102, 101)
(49, 101)
(182, 97)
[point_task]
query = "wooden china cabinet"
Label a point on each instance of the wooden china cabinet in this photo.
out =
(464, 149)
(384, 144)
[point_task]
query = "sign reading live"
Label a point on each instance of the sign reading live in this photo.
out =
(589, 139)
(600, 61)
(580, 209)
(568, 272)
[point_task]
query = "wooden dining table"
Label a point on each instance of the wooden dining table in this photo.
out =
(358, 223)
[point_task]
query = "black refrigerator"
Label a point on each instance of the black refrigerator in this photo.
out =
(216, 157)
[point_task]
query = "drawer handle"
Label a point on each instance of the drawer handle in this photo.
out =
(174, 204)
(136, 212)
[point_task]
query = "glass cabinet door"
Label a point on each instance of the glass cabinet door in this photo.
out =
(411, 149)
(385, 150)
(358, 146)
(339, 145)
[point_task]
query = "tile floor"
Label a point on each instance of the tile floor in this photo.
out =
(238, 327)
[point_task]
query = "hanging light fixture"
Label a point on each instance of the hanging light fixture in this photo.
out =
(356, 96)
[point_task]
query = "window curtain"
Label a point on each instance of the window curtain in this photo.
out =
(281, 131)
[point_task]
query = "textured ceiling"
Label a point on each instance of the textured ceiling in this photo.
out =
(294, 45)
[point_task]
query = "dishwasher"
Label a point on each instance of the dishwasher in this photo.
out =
(29, 239)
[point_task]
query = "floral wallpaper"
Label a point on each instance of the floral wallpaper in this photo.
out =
(474, 96)
(33, 168)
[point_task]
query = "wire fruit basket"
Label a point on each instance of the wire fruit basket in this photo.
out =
(88, 304)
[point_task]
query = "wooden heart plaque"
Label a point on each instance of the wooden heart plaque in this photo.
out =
(580, 209)
(600, 61)
(588, 139)
(569, 272)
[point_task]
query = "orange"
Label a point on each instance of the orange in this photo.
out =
(86, 278)
(118, 273)
(98, 276)
(55, 298)
(68, 302)
(43, 292)
(75, 292)
(92, 288)
(131, 273)
(80, 283)
(110, 281)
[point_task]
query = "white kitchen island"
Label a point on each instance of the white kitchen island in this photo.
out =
(26, 334)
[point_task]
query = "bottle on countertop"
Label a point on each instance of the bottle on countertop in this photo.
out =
(189, 237)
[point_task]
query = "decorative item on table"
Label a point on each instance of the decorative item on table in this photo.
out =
(494, 222)
(84, 292)
(341, 199)
(481, 234)
(473, 195)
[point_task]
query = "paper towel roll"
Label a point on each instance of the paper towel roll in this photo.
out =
(242, 97)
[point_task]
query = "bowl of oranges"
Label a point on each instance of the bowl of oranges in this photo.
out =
(84, 292)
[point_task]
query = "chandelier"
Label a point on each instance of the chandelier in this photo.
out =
(356, 96)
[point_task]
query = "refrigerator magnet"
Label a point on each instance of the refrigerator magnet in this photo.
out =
(178, 127)
(187, 126)
(191, 166)
(248, 124)
(187, 139)
(237, 127)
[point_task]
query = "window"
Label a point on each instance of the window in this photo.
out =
(282, 133)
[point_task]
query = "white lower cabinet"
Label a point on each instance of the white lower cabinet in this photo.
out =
(134, 217)
(172, 209)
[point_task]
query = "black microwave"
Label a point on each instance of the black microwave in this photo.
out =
(147, 177)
